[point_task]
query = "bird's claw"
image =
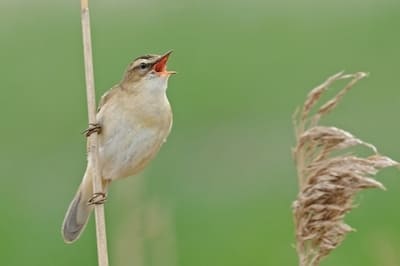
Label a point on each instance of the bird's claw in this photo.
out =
(97, 198)
(93, 127)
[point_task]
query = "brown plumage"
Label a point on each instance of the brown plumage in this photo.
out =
(135, 119)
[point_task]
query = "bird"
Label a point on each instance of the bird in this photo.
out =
(133, 120)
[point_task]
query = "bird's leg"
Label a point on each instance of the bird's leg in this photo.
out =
(93, 127)
(97, 198)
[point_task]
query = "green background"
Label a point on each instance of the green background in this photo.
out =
(220, 190)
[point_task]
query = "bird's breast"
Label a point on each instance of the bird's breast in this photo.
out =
(131, 136)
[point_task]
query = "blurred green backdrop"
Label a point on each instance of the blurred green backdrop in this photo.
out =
(219, 192)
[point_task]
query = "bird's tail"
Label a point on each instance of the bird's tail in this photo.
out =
(78, 211)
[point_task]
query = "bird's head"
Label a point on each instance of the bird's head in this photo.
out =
(148, 72)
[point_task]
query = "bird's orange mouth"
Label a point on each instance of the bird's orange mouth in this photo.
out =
(161, 65)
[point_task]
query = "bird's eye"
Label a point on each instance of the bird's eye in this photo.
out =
(143, 66)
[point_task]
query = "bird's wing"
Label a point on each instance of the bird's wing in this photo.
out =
(106, 96)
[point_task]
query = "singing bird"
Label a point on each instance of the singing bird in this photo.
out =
(134, 119)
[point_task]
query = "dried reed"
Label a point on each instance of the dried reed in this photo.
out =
(102, 252)
(328, 182)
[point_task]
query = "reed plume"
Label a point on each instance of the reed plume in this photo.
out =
(329, 174)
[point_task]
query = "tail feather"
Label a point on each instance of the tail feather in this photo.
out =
(78, 211)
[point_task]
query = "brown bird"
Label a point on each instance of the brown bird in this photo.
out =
(134, 119)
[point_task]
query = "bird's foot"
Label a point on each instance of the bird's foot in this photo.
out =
(97, 198)
(93, 127)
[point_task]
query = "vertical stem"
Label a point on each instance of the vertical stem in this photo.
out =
(92, 139)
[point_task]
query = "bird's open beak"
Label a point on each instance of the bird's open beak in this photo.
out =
(160, 65)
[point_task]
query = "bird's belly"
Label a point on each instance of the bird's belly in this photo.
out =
(128, 151)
